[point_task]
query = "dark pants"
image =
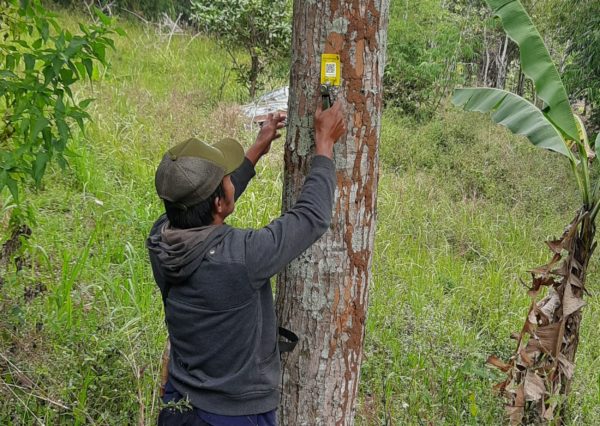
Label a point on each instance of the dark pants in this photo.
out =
(175, 417)
(196, 417)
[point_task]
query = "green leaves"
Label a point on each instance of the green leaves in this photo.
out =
(103, 18)
(537, 64)
(39, 63)
(514, 112)
(29, 61)
(89, 66)
(39, 166)
(12, 187)
(40, 124)
(85, 103)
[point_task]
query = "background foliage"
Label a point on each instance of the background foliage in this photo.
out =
(577, 25)
(430, 50)
(259, 28)
(150, 9)
(435, 45)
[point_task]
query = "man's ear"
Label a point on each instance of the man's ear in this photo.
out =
(217, 207)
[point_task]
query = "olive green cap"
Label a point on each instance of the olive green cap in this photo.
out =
(191, 171)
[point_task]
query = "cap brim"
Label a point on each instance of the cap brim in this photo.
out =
(233, 154)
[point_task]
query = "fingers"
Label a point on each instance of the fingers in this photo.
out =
(330, 125)
(333, 110)
(337, 110)
(279, 118)
(275, 119)
(270, 130)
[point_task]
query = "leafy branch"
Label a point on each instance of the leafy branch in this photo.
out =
(39, 64)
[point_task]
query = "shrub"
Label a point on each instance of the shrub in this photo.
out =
(261, 28)
(39, 64)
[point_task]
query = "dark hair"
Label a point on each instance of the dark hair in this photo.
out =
(200, 214)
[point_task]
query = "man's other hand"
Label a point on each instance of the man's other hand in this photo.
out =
(269, 131)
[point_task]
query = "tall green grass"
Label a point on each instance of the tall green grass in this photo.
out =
(463, 211)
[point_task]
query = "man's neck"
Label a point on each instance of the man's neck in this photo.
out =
(218, 220)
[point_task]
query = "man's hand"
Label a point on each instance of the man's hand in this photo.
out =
(329, 127)
(267, 134)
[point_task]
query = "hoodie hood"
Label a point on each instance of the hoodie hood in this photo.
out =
(177, 253)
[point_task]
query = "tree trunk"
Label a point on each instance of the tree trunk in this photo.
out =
(541, 370)
(487, 57)
(323, 294)
(254, 71)
(521, 82)
(502, 64)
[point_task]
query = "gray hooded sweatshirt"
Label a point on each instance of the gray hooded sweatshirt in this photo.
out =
(219, 304)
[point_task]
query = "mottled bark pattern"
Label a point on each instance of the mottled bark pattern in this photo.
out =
(323, 294)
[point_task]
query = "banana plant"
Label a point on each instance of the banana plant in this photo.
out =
(539, 374)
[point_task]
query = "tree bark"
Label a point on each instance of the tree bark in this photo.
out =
(521, 83)
(487, 57)
(254, 71)
(323, 295)
(502, 64)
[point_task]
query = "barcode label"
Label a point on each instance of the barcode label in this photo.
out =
(330, 69)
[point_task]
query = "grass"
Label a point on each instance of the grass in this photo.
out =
(463, 210)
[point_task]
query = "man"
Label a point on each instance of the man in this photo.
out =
(214, 279)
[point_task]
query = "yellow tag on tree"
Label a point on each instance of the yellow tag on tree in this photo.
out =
(330, 69)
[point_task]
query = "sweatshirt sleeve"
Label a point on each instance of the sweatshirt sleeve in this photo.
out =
(270, 249)
(242, 176)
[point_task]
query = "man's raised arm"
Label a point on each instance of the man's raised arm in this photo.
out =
(267, 134)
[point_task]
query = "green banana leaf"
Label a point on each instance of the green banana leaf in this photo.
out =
(514, 112)
(537, 64)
